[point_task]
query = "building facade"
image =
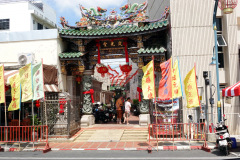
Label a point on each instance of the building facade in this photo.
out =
(192, 42)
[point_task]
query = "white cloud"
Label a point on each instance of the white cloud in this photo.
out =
(73, 5)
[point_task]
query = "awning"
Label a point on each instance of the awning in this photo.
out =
(8, 75)
(51, 88)
(231, 91)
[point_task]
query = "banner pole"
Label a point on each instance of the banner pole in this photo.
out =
(32, 107)
(5, 108)
(172, 102)
(155, 100)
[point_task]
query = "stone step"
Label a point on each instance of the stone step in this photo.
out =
(135, 136)
(136, 133)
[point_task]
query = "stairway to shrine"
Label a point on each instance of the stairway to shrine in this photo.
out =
(134, 135)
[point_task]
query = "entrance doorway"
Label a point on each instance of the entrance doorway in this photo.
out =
(115, 87)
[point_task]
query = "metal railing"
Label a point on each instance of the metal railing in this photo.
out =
(23, 134)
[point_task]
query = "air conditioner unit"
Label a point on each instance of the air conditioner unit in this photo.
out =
(25, 58)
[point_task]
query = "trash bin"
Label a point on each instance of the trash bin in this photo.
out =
(234, 142)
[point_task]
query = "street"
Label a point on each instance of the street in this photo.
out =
(131, 155)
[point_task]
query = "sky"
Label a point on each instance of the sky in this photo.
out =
(70, 8)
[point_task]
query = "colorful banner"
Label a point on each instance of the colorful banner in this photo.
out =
(191, 90)
(148, 89)
(167, 111)
(165, 85)
(38, 91)
(176, 83)
(26, 82)
(2, 85)
(15, 93)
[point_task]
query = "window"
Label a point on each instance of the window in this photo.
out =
(220, 42)
(33, 22)
(220, 57)
(4, 24)
(219, 25)
(40, 26)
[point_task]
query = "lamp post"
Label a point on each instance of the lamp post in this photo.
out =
(216, 59)
(227, 6)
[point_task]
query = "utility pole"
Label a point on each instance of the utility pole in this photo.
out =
(205, 75)
(211, 98)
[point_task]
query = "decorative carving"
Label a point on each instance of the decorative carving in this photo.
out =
(146, 37)
(143, 105)
(139, 42)
(87, 101)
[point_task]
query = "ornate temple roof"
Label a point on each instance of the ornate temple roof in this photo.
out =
(71, 55)
(123, 30)
(151, 50)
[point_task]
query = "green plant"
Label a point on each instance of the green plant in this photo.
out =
(37, 122)
(135, 102)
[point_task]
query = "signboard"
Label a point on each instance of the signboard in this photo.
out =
(111, 44)
(167, 111)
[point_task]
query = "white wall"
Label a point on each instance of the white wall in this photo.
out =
(22, 14)
(38, 42)
(193, 41)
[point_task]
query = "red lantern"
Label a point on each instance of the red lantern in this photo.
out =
(102, 70)
(37, 103)
(126, 68)
(227, 5)
(78, 79)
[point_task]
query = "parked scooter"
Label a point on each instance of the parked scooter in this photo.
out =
(224, 143)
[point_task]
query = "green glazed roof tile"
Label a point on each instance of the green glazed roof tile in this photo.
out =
(151, 50)
(113, 31)
(71, 55)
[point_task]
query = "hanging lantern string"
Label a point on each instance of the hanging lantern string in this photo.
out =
(131, 77)
(125, 77)
(119, 77)
(113, 70)
(111, 75)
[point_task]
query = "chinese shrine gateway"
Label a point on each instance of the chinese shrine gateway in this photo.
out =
(98, 36)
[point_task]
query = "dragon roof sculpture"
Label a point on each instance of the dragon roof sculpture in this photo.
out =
(96, 17)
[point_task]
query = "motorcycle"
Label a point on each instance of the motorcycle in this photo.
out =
(224, 143)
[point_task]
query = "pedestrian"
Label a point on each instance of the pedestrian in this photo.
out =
(119, 104)
(127, 110)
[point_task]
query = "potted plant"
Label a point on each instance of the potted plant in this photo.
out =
(37, 123)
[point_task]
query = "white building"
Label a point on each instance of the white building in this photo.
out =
(25, 15)
(28, 28)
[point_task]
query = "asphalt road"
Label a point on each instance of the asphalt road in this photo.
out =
(115, 155)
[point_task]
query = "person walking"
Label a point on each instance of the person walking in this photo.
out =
(119, 104)
(127, 110)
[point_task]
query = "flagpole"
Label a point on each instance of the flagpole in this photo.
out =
(43, 80)
(32, 106)
(5, 108)
(19, 115)
(155, 99)
(172, 100)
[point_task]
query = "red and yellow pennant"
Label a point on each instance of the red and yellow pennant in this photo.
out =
(176, 82)
(148, 88)
(191, 90)
(15, 93)
(26, 82)
(165, 85)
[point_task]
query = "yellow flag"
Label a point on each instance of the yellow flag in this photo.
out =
(15, 93)
(176, 83)
(2, 85)
(26, 82)
(191, 91)
(148, 88)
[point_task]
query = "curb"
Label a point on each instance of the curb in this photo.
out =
(161, 148)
